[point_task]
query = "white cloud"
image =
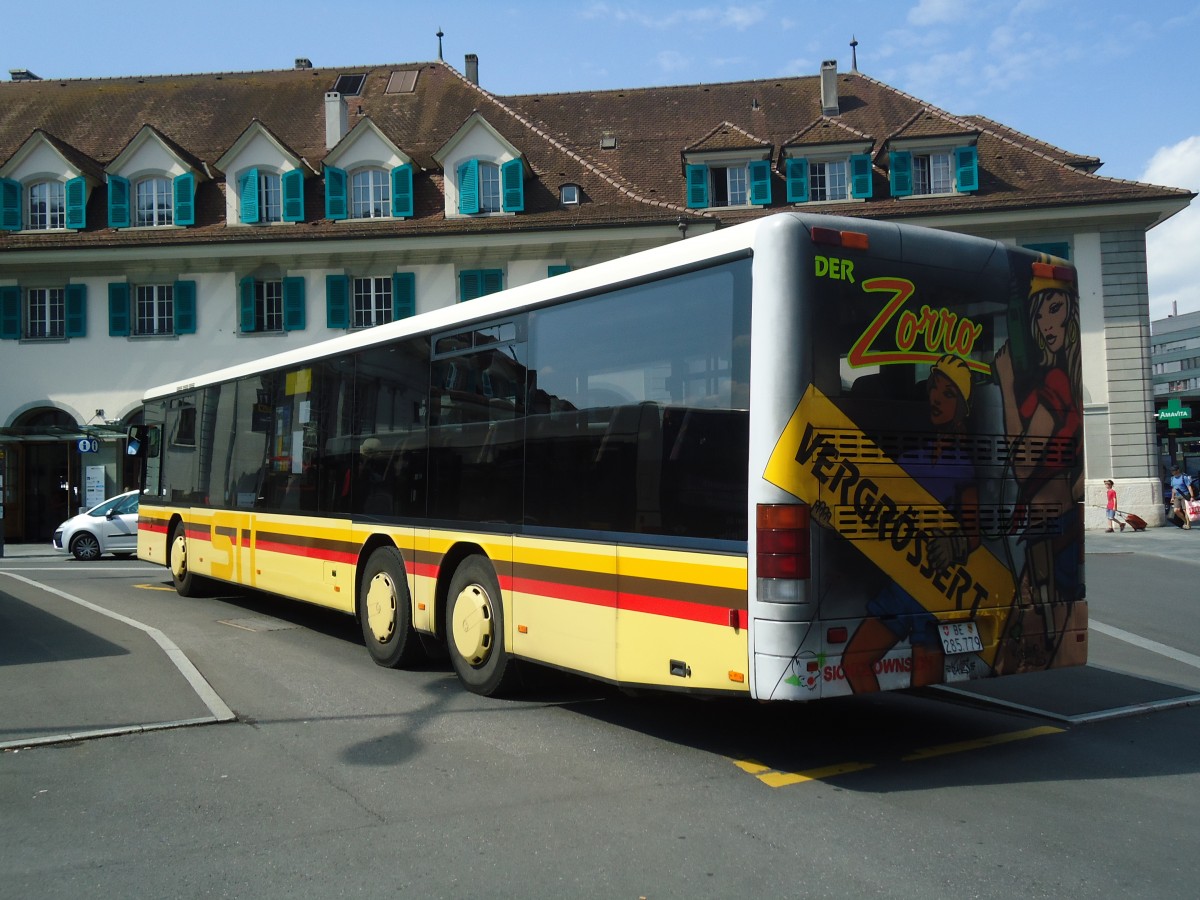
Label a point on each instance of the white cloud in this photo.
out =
(736, 16)
(935, 12)
(671, 61)
(1173, 264)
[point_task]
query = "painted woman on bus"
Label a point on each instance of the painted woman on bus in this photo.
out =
(1043, 420)
(944, 468)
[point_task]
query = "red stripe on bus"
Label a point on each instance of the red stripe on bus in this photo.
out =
(658, 606)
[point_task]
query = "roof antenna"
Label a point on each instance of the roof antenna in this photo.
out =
(853, 53)
(439, 37)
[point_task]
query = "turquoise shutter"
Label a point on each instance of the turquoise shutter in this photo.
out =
(293, 195)
(118, 309)
(76, 313)
(185, 307)
(337, 301)
(697, 187)
(184, 192)
(10, 313)
(336, 206)
(797, 180)
(760, 182)
(966, 163)
(551, 271)
(901, 173)
(404, 295)
(248, 192)
(118, 202)
(862, 184)
(468, 187)
(10, 205)
(512, 181)
(493, 281)
(402, 191)
(246, 305)
(469, 284)
(76, 194)
(293, 304)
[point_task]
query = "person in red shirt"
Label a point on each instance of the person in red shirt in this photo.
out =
(1110, 505)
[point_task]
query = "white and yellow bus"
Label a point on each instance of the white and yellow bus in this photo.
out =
(797, 458)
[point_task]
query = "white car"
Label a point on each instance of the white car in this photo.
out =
(110, 527)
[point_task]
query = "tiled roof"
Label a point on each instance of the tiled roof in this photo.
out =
(638, 181)
(826, 130)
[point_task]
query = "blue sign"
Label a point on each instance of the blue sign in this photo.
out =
(88, 445)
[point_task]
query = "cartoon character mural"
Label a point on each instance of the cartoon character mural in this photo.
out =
(1010, 561)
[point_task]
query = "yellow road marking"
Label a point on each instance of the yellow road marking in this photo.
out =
(776, 779)
(962, 746)
(155, 587)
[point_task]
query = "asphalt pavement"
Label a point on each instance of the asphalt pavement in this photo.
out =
(71, 670)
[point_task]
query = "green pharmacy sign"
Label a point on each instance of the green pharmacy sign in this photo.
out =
(1174, 413)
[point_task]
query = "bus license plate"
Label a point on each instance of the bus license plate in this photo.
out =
(960, 637)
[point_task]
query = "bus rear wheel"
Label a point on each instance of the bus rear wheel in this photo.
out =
(475, 630)
(385, 612)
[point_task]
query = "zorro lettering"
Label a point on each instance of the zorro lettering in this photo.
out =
(944, 331)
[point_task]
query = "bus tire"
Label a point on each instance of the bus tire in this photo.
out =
(187, 582)
(475, 630)
(385, 611)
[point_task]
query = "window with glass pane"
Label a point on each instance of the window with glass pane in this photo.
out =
(268, 306)
(47, 313)
(154, 309)
(371, 194)
(47, 205)
(372, 302)
(728, 186)
(154, 202)
(827, 180)
(270, 198)
(489, 187)
(932, 174)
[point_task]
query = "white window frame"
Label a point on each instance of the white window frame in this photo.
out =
(568, 195)
(53, 195)
(154, 202)
(933, 173)
(46, 313)
(370, 300)
(270, 197)
(491, 194)
(370, 194)
(734, 180)
(268, 305)
(153, 309)
(826, 183)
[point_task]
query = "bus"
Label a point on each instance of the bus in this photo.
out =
(797, 458)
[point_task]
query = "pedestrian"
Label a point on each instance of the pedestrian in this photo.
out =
(1181, 492)
(1110, 507)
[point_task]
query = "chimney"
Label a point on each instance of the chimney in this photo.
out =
(336, 119)
(829, 90)
(473, 68)
(303, 63)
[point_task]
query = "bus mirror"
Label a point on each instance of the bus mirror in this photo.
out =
(142, 440)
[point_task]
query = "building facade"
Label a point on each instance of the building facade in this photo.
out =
(156, 227)
(1175, 358)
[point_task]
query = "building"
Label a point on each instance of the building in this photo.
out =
(1175, 357)
(158, 226)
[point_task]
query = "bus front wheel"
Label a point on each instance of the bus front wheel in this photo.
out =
(475, 630)
(385, 613)
(187, 582)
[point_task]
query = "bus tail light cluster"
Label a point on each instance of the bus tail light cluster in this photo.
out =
(784, 549)
(832, 237)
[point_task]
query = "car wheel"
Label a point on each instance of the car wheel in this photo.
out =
(385, 611)
(475, 630)
(85, 547)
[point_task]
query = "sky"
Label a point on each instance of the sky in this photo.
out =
(1108, 78)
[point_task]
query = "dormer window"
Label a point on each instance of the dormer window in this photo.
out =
(568, 195)
(487, 187)
(729, 183)
(370, 194)
(260, 194)
(925, 172)
(155, 205)
(47, 206)
(827, 178)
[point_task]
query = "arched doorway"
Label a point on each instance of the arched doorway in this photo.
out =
(48, 490)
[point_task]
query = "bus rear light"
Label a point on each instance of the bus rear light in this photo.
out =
(837, 635)
(783, 541)
(1053, 272)
(853, 240)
